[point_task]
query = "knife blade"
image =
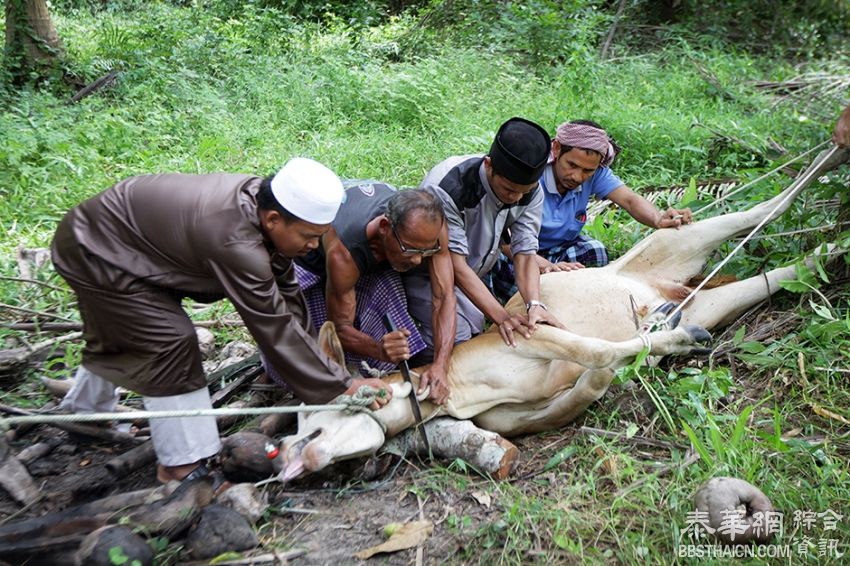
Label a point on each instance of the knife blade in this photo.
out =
(404, 367)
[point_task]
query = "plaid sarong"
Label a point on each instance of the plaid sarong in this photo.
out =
(584, 250)
(377, 294)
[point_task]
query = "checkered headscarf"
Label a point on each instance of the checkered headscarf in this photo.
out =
(586, 136)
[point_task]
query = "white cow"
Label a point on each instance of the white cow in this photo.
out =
(548, 380)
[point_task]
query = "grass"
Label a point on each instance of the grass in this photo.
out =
(202, 93)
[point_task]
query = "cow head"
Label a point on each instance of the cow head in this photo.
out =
(326, 437)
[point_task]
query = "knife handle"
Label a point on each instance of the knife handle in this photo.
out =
(389, 324)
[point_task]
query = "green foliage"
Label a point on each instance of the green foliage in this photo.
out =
(119, 558)
(387, 89)
(804, 28)
(537, 31)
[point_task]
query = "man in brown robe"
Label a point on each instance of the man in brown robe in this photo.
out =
(133, 252)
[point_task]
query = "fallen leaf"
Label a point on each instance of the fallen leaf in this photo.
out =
(85, 462)
(409, 535)
(608, 462)
(482, 498)
(826, 413)
(792, 433)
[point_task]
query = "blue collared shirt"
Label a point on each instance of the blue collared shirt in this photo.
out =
(565, 216)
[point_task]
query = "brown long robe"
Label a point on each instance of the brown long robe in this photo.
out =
(134, 251)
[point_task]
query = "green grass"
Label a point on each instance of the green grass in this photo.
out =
(200, 92)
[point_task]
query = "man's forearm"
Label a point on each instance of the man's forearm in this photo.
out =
(355, 342)
(527, 276)
(444, 323)
(644, 212)
(476, 290)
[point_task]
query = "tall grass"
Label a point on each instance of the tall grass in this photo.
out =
(201, 91)
(201, 94)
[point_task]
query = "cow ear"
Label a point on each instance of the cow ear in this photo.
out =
(330, 344)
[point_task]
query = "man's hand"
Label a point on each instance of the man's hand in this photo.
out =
(547, 266)
(567, 266)
(394, 346)
(384, 396)
(543, 264)
(435, 377)
(539, 315)
(673, 218)
(514, 323)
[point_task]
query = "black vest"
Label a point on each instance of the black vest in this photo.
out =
(364, 200)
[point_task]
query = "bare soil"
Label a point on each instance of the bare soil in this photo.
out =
(328, 516)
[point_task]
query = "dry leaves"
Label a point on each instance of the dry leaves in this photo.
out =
(408, 535)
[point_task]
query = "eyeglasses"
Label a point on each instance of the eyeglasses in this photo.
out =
(414, 251)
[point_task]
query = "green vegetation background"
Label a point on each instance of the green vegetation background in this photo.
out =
(386, 90)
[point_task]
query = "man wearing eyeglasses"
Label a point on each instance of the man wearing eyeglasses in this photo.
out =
(134, 251)
(352, 278)
(483, 196)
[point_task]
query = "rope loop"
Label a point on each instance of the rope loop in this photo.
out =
(360, 402)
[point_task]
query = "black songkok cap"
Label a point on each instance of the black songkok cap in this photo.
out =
(520, 151)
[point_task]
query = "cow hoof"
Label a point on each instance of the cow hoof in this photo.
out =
(700, 336)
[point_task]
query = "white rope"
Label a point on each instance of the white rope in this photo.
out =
(804, 179)
(136, 415)
(756, 180)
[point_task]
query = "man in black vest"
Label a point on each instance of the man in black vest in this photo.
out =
(353, 277)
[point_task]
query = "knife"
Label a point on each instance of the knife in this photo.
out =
(414, 402)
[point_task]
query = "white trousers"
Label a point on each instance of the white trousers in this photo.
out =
(176, 440)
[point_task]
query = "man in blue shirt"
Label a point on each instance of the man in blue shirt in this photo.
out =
(578, 168)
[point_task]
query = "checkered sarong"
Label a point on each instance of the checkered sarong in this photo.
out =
(377, 294)
(583, 250)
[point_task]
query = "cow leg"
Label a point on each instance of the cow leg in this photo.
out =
(565, 349)
(722, 305)
(553, 343)
(513, 420)
(673, 256)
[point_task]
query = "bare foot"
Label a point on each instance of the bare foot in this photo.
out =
(166, 474)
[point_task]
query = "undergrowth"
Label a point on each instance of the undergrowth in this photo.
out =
(244, 86)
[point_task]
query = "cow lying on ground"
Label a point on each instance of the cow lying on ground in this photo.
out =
(548, 380)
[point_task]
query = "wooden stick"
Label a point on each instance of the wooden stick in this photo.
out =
(228, 390)
(22, 429)
(15, 478)
(35, 313)
(33, 281)
(131, 460)
(604, 52)
(484, 450)
(34, 452)
(19, 356)
(44, 326)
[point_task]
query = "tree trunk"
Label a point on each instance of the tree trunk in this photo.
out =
(31, 40)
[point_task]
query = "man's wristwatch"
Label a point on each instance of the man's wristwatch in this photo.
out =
(535, 303)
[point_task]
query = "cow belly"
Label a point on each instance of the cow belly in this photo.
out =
(489, 373)
(596, 302)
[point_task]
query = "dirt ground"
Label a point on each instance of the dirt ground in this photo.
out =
(327, 517)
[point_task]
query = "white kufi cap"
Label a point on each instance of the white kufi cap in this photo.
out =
(309, 190)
